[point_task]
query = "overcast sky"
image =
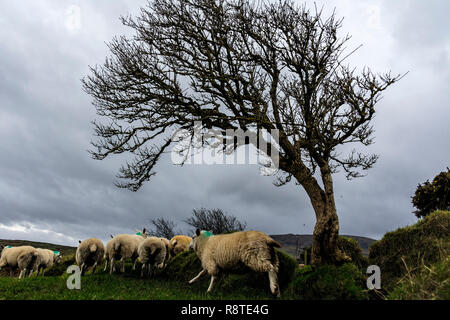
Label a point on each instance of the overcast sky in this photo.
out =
(52, 191)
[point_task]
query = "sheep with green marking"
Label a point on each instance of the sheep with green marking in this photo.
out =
(224, 252)
(25, 258)
(123, 247)
(47, 259)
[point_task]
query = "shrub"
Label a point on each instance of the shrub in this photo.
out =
(432, 196)
(430, 284)
(186, 266)
(329, 282)
(407, 249)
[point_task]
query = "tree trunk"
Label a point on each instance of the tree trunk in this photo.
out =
(326, 230)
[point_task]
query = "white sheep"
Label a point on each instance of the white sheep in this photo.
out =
(224, 252)
(47, 259)
(152, 253)
(125, 246)
(90, 252)
(179, 244)
(24, 257)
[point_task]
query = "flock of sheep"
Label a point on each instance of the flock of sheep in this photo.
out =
(216, 252)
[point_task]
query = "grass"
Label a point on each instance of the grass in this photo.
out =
(102, 286)
(124, 286)
(431, 283)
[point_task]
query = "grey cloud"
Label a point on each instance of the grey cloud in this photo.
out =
(49, 181)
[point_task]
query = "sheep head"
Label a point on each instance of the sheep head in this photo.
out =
(198, 238)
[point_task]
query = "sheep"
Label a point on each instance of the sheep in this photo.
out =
(90, 252)
(179, 244)
(47, 259)
(152, 253)
(24, 257)
(125, 246)
(254, 249)
(166, 244)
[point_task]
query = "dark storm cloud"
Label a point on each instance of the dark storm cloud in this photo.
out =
(51, 190)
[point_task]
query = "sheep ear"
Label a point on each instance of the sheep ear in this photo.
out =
(112, 237)
(174, 242)
(144, 231)
(197, 232)
(79, 241)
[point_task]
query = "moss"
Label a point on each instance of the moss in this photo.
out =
(350, 247)
(407, 249)
(329, 282)
(60, 268)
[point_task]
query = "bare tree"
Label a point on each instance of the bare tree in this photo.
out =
(163, 228)
(239, 64)
(214, 220)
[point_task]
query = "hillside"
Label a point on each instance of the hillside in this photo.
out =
(65, 250)
(290, 242)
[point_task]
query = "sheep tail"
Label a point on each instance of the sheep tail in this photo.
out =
(93, 248)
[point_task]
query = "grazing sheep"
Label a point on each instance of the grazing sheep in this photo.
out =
(125, 246)
(89, 253)
(224, 252)
(24, 257)
(179, 244)
(152, 253)
(166, 244)
(47, 259)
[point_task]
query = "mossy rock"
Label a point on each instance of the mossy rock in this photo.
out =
(407, 249)
(329, 282)
(350, 247)
(186, 266)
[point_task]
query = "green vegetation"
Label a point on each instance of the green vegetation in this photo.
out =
(328, 282)
(407, 249)
(432, 196)
(432, 283)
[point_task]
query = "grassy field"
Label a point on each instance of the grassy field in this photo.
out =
(102, 286)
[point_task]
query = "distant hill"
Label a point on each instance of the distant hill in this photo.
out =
(65, 250)
(290, 242)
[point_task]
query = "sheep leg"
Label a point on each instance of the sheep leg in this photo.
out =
(142, 270)
(112, 265)
(198, 276)
(273, 279)
(106, 264)
(22, 273)
(83, 269)
(213, 278)
(94, 267)
(122, 265)
(134, 264)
